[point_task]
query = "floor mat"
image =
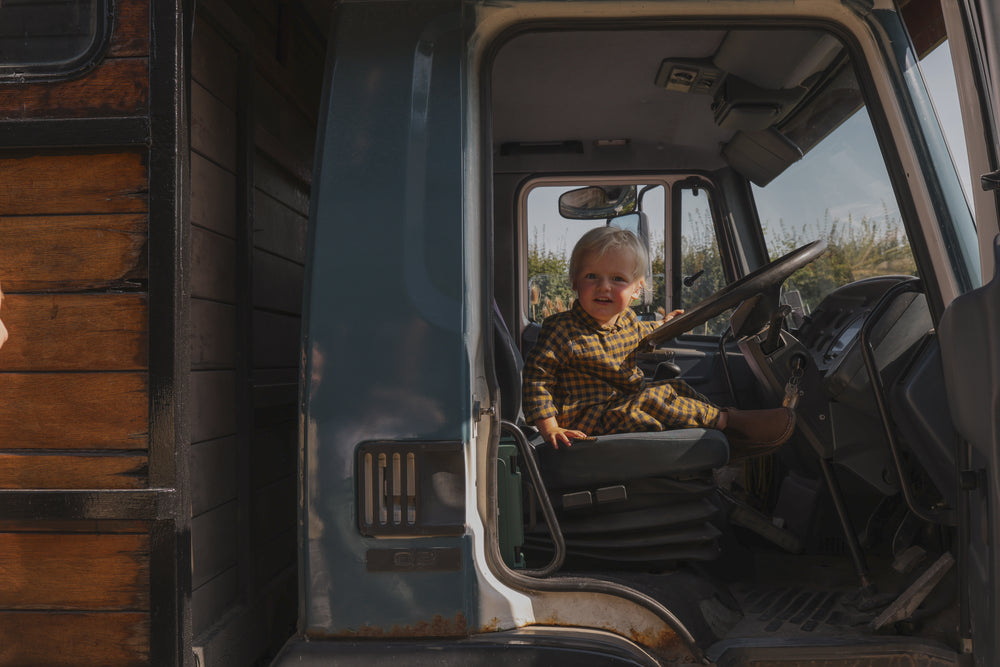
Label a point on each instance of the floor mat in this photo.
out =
(769, 610)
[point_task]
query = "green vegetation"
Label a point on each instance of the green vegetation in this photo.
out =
(548, 278)
(855, 250)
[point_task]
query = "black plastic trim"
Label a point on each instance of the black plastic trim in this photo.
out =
(534, 474)
(942, 516)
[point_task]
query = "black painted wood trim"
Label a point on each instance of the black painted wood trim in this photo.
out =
(115, 505)
(83, 132)
(169, 331)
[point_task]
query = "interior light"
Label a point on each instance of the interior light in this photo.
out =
(604, 143)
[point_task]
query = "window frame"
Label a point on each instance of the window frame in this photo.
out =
(73, 67)
(672, 184)
(725, 237)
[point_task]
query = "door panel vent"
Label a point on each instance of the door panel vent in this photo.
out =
(410, 488)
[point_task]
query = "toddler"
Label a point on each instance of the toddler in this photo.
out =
(581, 377)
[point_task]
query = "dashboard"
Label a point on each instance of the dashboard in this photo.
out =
(832, 336)
(837, 413)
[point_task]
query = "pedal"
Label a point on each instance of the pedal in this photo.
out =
(751, 519)
(912, 597)
(909, 559)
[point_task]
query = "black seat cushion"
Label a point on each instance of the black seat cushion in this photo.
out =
(627, 456)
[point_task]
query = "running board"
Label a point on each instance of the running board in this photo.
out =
(796, 652)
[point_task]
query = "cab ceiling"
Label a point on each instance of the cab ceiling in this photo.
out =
(590, 86)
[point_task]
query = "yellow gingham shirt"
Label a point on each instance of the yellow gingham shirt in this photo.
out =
(587, 376)
(577, 364)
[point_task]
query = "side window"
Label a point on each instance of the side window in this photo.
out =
(60, 38)
(550, 241)
(700, 262)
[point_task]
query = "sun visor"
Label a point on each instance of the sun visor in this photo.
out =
(760, 155)
(740, 105)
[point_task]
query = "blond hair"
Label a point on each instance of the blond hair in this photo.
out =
(599, 240)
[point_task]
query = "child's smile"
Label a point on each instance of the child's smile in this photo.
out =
(605, 284)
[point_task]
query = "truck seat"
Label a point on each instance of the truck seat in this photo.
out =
(625, 498)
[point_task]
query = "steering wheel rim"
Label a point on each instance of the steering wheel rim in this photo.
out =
(766, 277)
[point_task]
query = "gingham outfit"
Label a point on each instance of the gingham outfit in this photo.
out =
(587, 377)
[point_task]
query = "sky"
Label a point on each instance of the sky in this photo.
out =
(940, 80)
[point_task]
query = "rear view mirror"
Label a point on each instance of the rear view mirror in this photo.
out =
(597, 202)
(633, 222)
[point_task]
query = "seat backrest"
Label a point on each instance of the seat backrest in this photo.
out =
(969, 329)
(508, 365)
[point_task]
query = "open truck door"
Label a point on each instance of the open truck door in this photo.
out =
(970, 330)
(431, 522)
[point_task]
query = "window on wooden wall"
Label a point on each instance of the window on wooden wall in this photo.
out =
(52, 38)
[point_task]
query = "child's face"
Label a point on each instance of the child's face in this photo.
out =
(605, 285)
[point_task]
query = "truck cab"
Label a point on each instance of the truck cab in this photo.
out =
(787, 170)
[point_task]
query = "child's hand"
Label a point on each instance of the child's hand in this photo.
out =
(564, 435)
(672, 314)
(555, 434)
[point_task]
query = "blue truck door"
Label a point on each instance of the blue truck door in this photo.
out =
(386, 404)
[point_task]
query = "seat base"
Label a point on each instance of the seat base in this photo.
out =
(612, 459)
(634, 498)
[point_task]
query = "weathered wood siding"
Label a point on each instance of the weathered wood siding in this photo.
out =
(253, 129)
(119, 86)
(216, 435)
(97, 298)
(74, 375)
(75, 593)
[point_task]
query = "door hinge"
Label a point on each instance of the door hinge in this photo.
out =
(990, 181)
(479, 411)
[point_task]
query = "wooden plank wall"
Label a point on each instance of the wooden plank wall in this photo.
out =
(216, 287)
(74, 374)
(257, 70)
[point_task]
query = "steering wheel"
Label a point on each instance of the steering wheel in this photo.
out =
(764, 279)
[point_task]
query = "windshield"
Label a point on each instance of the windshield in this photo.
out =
(839, 192)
